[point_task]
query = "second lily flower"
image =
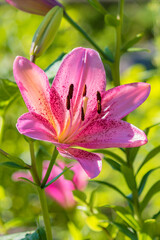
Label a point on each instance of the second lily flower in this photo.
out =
(76, 110)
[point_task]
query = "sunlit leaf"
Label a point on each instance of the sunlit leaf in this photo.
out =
(127, 216)
(92, 198)
(151, 228)
(148, 128)
(14, 162)
(131, 42)
(144, 180)
(152, 191)
(8, 92)
(97, 6)
(75, 232)
(138, 50)
(97, 222)
(126, 230)
(113, 164)
(149, 156)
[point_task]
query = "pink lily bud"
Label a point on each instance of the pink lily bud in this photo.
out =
(61, 189)
(39, 7)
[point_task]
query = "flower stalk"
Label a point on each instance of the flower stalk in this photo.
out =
(53, 159)
(41, 192)
(116, 65)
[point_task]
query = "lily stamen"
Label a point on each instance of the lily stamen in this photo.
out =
(82, 114)
(70, 93)
(98, 96)
(68, 102)
(98, 106)
(84, 90)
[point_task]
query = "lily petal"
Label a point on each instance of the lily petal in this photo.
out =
(40, 7)
(120, 101)
(90, 162)
(35, 126)
(81, 66)
(34, 87)
(106, 133)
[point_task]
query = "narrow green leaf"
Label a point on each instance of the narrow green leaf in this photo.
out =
(92, 198)
(148, 128)
(156, 215)
(132, 42)
(11, 165)
(152, 191)
(127, 231)
(111, 20)
(149, 156)
(138, 50)
(27, 180)
(129, 177)
(113, 187)
(114, 155)
(58, 176)
(113, 164)
(132, 153)
(17, 161)
(97, 6)
(8, 92)
(52, 69)
(127, 216)
(80, 195)
(144, 180)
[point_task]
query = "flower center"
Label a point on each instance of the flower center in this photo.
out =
(75, 123)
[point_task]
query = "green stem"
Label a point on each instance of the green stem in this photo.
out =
(116, 65)
(53, 159)
(86, 36)
(2, 128)
(45, 212)
(41, 193)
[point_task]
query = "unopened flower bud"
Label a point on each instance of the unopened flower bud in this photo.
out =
(40, 7)
(46, 31)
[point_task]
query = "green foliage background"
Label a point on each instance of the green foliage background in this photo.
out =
(19, 204)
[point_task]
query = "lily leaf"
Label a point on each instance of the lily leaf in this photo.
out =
(138, 50)
(127, 231)
(129, 177)
(150, 155)
(80, 195)
(8, 93)
(114, 155)
(58, 176)
(111, 20)
(132, 42)
(113, 164)
(97, 6)
(144, 180)
(27, 180)
(113, 187)
(52, 69)
(14, 162)
(152, 191)
(126, 216)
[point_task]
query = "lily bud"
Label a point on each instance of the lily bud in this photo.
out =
(46, 31)
(40, 7)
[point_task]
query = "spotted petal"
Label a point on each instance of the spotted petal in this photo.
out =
(106, 133)
(90, 162)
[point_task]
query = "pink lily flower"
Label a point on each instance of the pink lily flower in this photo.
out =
(76, 110)
(40, 7)
(61, 189)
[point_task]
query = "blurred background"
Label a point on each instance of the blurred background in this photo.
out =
(19, 204)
